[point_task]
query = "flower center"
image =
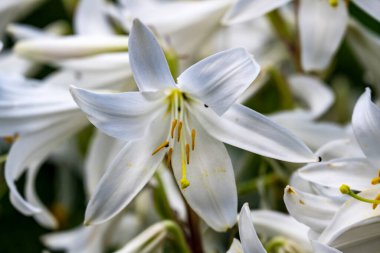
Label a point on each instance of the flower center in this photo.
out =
(179, 132)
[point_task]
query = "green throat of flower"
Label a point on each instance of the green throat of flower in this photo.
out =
(345, 189)
(179, 133)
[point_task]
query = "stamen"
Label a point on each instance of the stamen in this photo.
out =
(174, 123)
(188, 153)
(170, 152)
(334, 3)
(193, 139)
(375, 180)
(345, 189)
(179, 130)
(375, 205)
(165, 144)
(11, 138)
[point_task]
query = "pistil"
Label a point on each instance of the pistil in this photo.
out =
(345, 189)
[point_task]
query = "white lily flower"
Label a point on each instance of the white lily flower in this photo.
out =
(358, 172)
(320, 37)
(187, 132)
(250, 242)
(39, 126)
(343, 231)
(355, 226)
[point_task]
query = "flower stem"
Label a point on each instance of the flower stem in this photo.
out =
(193, 221)
(176, 231)
(3, 158)
(283, 88)
(284, 33)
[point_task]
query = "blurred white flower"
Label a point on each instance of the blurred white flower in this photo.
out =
(322, 24)
(187, 132)
(250, 242)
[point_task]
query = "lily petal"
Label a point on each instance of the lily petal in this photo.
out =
(246, 10)
(321, 29)
(313, 92)
(273, 223)
(129, 172)
(323, 248)
(47, 49)
(371, 7)
(112, 112)
(366, 124)
(341, 148)
(78, 240)
(248, 236)
(355, 172)
(186, 24)
(212, 191)
(44, 218)
(220, 79)
(101, 62)
(314, 134)
(148, 63)
(92, 12)
(249, 130)
(312, 210)
(365, 45)
(235, 247)
(356, 225)
(102, 150)
(33, 148)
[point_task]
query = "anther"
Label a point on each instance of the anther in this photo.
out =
(375, 205)
(193, 139)
(165, 144)
(174, 124)
(11, 138)
(375, 180)
(170, 152)
(188, 153)
(179, 130)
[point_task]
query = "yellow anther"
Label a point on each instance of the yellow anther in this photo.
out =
(375, 205)
(11, 138)
(187, 153)
(375, 180)
(179, 130)
(193, 139)
(184, 183)
(334, 3)
(174, 124)
(165, 144)
(169, 157)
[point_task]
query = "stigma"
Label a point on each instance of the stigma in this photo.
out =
(334, 3)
